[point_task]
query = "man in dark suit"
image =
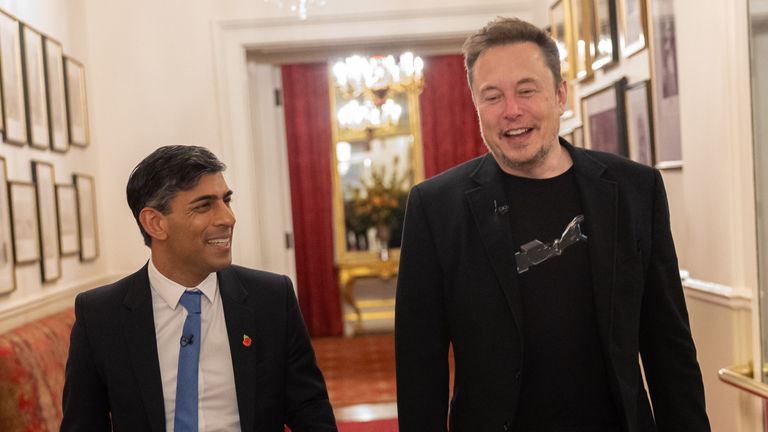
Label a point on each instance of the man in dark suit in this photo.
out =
(549, 270)
(191, 342)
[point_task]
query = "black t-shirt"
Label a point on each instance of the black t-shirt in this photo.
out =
(564, 378)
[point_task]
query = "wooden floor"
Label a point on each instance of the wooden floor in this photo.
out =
(360, 375)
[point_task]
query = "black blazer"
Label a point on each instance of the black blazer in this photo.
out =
(457, 285)
(113, 373)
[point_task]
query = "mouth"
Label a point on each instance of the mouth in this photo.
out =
(224, 242)
(514, 133)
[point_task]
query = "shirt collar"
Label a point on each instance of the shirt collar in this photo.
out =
(171, 291)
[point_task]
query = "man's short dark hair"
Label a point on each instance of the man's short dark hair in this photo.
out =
(164, 173)
(504, 31)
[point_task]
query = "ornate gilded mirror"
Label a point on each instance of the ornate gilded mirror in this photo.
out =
(376, 155)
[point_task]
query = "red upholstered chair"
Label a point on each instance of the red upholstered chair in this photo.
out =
(32, 361)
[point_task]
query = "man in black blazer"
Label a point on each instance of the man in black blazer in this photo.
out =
(257, 369)
(549, 270)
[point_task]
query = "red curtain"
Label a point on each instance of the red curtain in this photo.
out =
(308, 133)
(449, 125)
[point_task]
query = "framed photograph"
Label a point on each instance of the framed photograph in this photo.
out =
(7, 273)
(54, 89)
(69, 231)
(581, 13)
(639, 122)
(34, 87)
(603, 119)
(14, 108)
(47, 217)
(578, 137)
(605, 43)
(666, 101)
(632, 15)
(77, 108)
(560, 22)
(86, 216)
(26, 245)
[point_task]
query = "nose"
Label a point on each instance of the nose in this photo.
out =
(224, 215)
(512, 108)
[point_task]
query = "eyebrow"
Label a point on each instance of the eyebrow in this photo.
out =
(492, 87)
(210, 197)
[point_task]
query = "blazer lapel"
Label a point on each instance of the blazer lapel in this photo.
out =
(241, 322)
(495, 231)
(600, 200)
(139, 327)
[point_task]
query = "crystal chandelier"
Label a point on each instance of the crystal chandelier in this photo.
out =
(369, 84)
(298, 7)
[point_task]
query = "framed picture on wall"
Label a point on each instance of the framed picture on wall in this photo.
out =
(639, 122)
(34, 87)
(605, 43)
(47, 216)
(7, 273)
(603, 119)
(26, 245)
(581, 12)
(632, 19)
(664, 81)
(57, 102)
(14, 108)
(578, 137)
(560, 24)
(69, 231)
(86, 216)
(77, 108)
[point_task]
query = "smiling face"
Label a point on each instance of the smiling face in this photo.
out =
(519, 107)
(196, 235)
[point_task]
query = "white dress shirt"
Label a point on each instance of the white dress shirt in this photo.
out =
(217, 401)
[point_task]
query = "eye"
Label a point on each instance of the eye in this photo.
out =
(527, 92)
(492, 98)
(202, 206)
(228, 200)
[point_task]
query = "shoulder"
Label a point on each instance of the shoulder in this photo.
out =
(114, 293)
(618, 168)
(456, 178)
(258, 282)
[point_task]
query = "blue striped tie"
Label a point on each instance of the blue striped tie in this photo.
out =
(185, 419)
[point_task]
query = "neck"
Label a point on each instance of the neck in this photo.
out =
(184, 278)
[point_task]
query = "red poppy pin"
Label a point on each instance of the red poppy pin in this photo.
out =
(246, 340)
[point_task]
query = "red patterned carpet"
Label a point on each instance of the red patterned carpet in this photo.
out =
(358, 370)
(371, 426)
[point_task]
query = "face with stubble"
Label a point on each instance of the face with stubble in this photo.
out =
(519, 107)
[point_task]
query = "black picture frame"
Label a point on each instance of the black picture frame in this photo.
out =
(69, 229)
(44, 178)
(58, 123)
(14, 106)
(7, 262)
(35, 96)
(604, 119)
(605, 40)
(86, 217)
(23, 203)
(639, 113)
(77, 105)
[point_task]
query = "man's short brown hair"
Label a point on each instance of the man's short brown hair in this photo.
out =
(503, 31)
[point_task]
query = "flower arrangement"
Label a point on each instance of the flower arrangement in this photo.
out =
(379, 202)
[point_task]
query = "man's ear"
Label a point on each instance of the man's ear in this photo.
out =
(154, 223)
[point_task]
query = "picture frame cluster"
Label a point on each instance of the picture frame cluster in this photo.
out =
(602, 35)
(43, 105)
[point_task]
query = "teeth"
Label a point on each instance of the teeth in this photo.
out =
(223, 242)
(515, 132)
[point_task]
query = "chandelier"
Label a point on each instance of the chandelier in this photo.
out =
(298, 7)
(370, 84)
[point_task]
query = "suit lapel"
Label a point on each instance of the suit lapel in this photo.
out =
(139, 327)
(241, 322)
(495, 231)
(600, 201)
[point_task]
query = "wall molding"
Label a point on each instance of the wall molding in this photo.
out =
(711, 292)
(46, 302)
